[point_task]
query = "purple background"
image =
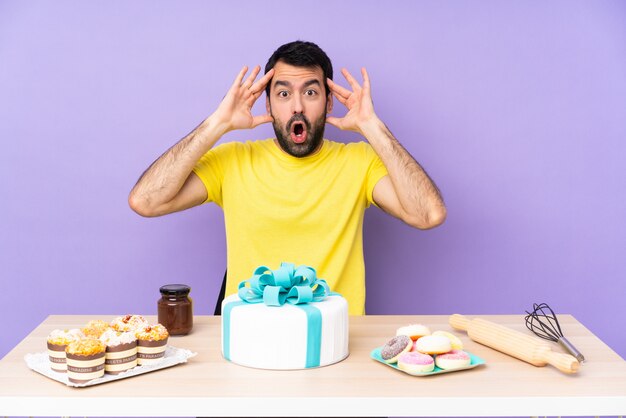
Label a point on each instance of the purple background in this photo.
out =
(516, 110)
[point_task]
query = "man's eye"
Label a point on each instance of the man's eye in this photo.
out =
(283, 93)
(310, 92)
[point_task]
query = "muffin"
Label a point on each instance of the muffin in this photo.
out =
(85, 360)
(94, 329)
(57, 341)
(121, 351)
(151, 344)
(129, 323)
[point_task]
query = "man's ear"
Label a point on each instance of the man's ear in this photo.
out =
(329, 103)
(267, 105)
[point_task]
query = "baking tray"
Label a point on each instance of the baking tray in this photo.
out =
(40, 363)
(475, 361)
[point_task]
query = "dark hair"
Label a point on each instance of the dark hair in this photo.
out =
(301, 54)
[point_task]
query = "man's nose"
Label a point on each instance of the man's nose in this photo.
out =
(298, 105)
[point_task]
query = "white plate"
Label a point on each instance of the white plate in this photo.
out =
(40, 362)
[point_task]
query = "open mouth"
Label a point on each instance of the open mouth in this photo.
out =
(298, 132)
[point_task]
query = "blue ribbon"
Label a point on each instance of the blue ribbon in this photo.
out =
(226, 326)
(285, 285)
(297, 286)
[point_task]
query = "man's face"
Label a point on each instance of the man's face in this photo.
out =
(298, 104)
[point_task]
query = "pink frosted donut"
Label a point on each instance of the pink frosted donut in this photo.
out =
(414, 362)
(453, 360)
(395, 347)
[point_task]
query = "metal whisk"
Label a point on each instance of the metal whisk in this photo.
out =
(543, 323)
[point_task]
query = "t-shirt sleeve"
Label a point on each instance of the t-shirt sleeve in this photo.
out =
(376, 170)
(211, 169)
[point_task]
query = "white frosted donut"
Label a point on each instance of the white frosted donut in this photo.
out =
(455, 359)
(413, 331)
(414, 363)
(454, 340)
(433, 344)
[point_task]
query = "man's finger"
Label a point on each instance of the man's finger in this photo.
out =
(258, 120)
(338, 90)
(252, 76)
(261, 83)
(239, 77)
(252, 98)
(342, 100)
(334, 121)
(257, 89)
(366, 80)
(353, 83)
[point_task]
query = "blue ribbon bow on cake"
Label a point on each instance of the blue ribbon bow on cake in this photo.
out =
(285, 285)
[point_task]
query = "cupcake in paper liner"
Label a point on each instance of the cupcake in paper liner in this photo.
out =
(94, 329)
(85, 360)
(129, 323)
(151, 344)
(121, 351)
(57, 341)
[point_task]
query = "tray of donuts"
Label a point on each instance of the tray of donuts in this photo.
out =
(418, 352)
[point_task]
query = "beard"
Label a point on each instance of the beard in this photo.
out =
(315, 135)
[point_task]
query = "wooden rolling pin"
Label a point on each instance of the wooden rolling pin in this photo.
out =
(514, 343)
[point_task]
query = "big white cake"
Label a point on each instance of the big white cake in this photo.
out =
(285, 337)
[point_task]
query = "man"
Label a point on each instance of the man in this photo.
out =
(298, 197)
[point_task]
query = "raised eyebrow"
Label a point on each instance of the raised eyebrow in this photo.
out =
(311, 82)
(288, 84)
(282, 83)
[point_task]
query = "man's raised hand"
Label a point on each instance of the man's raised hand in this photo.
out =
(235, 111)
(358, 101)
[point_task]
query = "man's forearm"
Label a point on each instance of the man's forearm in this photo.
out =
(161, 182)
(162, 188)
(417, 193)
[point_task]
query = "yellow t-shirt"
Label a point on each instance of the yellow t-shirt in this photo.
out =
(299, 210)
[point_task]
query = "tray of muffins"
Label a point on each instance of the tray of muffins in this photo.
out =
(102, 352)
(418, 352)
